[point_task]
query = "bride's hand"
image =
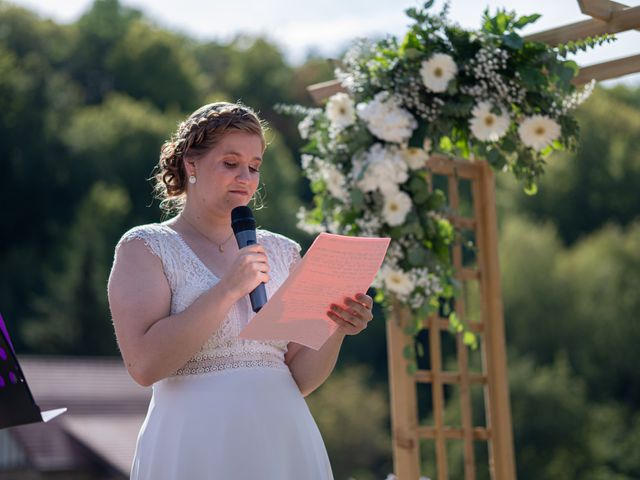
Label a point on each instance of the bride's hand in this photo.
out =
(249, 269)
(353, 319)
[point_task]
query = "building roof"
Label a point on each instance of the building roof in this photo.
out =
(105, 411)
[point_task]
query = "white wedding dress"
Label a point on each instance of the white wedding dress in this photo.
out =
(234, 411)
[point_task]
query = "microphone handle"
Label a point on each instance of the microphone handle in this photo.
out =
(258, 295)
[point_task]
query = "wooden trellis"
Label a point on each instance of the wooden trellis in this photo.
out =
(408, 432)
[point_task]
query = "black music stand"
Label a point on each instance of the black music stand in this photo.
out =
(17, 406)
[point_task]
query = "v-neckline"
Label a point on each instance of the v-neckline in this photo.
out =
(191, 251)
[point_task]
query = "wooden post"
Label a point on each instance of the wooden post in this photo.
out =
(402, 389)
(494, 354)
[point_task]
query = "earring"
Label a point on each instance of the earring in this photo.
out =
(192, 179)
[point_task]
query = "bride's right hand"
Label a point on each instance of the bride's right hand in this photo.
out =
(249, 269)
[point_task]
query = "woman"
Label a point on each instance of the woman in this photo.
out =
(222, 407)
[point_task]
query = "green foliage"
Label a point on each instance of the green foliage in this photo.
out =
(153, 64)
(598, 183)
(550, 413)
(122, 137)
(584, 44)
(64, 320)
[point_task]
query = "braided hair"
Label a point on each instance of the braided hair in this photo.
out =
(196, 136)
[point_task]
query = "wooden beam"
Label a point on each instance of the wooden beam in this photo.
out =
(323, 90)
(601, 9)
(606, 70)
(620, 21)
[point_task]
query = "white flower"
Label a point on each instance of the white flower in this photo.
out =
(335, 180)
(384, 170)
(538, 131)
(304, 126)
(340, 110)
(396, 281)
(396, 206)
(438, 71)
(488, 126)
(386, 119)
(415, 158)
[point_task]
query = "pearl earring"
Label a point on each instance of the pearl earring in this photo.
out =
(192, 179)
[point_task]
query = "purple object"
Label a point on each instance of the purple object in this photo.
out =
(3, 354)
(12, 378)
(3, 328)
(2, 384)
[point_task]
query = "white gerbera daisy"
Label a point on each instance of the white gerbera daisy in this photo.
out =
(397, 281)
(396, 206)
(438, 71)
(340, 110)
(416, 158)
(538, 131)
(488, 126)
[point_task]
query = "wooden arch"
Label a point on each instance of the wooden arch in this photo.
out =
(409, 434)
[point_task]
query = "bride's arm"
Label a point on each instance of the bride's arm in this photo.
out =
(154, 344)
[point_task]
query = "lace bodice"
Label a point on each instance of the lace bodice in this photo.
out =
(189, 278)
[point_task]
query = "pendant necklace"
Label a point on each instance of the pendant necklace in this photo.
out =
(219, 245)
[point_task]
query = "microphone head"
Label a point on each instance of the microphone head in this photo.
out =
(242, 219)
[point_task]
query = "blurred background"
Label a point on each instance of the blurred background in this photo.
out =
(90, 90)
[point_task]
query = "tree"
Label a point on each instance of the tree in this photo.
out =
(119, 142)
(72, 317)
(152, 64)
(580, 193)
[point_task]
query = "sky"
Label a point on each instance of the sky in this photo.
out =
(326, 27)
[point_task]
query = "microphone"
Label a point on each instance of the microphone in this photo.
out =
(244, 228)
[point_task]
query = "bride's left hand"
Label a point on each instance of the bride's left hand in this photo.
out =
(355, 317)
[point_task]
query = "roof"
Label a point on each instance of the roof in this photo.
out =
(105, 411)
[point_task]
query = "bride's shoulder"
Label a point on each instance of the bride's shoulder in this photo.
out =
(154, 235)
(145, 232)
(276, 240)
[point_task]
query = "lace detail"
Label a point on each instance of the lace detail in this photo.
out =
(189, 278)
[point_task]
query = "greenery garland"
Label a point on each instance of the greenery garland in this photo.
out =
(468, 94)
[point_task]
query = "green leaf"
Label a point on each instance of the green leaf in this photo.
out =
(531, 188)
(417, 257)
(379, 298)
(446, 145)
(470, 340)
(532, 77)
(407, 352)
(508, 145)
(417, 138)
(357, 198)
(513, 41)
(526, 20)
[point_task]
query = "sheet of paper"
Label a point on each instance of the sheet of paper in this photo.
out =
(335, 267)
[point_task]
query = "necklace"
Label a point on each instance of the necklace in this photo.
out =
(219, 245)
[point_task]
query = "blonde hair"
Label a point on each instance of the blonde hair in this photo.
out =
(196, 136)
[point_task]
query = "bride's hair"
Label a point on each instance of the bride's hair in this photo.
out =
(195, 136)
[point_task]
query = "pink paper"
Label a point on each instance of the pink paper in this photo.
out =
(335, 267)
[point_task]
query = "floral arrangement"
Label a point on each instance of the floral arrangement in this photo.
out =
(486, 94)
